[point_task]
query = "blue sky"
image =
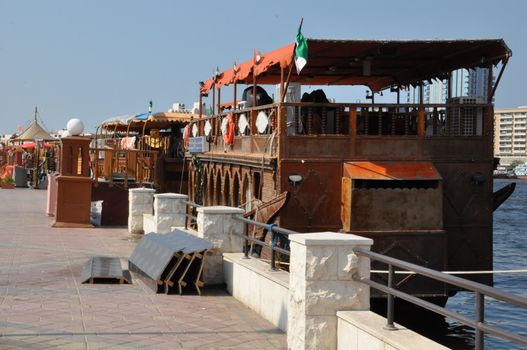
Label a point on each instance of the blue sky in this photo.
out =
(97, 59)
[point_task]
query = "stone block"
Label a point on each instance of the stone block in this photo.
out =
(213, 268)
(350, 263)
(321, 263)
(298, 255)
(149, 224)
(328, 297)
(366, 341)
(135, 224)
(346, 335)
(296, 327)
(141, 195)
(321, 332)
(140, 209)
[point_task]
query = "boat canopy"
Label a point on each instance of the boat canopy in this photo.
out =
(35, 132)
(138, 122)
(378, 64)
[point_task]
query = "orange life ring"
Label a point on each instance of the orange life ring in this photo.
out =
(186, 135)
(228, 136)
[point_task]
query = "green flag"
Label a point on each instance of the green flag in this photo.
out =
(300, 49)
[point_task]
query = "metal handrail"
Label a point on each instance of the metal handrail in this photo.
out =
(270, 227)
(481, 291)
(190, 216)
(273, 229)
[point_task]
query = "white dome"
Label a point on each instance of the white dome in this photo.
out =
(75, 126)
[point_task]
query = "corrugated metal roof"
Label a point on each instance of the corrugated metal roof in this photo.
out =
(391, 171)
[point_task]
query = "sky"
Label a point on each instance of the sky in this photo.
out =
(98, 59)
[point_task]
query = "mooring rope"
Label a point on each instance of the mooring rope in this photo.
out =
(458, 272)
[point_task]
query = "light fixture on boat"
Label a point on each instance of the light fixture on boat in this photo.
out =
(295, 179)
(207, 128)
(262, 122)
(242, 123)
(478, 178)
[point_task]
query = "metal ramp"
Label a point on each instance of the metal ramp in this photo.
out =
(104, 269)
(166, 262)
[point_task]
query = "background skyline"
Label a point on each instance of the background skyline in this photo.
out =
(95, 60)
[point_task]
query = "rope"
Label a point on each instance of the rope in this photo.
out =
(458, 272)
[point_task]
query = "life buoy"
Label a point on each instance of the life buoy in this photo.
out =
(228, 135)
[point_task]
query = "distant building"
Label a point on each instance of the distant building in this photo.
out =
(510, 127)
(476, 83)
(471, 83)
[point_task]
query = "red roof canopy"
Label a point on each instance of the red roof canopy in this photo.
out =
(378, 64)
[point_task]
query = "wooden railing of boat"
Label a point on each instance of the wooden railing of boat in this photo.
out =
(295, 123)
(111, 165)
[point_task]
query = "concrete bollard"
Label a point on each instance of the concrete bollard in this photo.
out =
(140, 201)
(217, 225)
(320, 284)
(169, 211)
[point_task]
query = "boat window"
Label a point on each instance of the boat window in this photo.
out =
(256, 186)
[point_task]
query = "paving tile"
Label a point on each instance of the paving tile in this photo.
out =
(44, 306)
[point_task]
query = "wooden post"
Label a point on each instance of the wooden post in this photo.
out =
(219, 100)
(488, 123)
(200, 104)
(234, 107)
(213, 98)
(254, 89)
(421, 113)
(421, 121)
(353, 122)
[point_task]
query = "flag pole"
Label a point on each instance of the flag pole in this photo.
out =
(282, 98)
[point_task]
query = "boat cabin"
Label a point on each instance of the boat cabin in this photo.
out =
(414, 176)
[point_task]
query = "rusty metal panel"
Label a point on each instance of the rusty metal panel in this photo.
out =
(397, 209)
(314, 202)
(391, 170)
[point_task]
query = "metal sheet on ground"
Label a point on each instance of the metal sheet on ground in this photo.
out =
(104, 269)
(167, 260)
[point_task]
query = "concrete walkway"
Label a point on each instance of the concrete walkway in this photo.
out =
(44, 306)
